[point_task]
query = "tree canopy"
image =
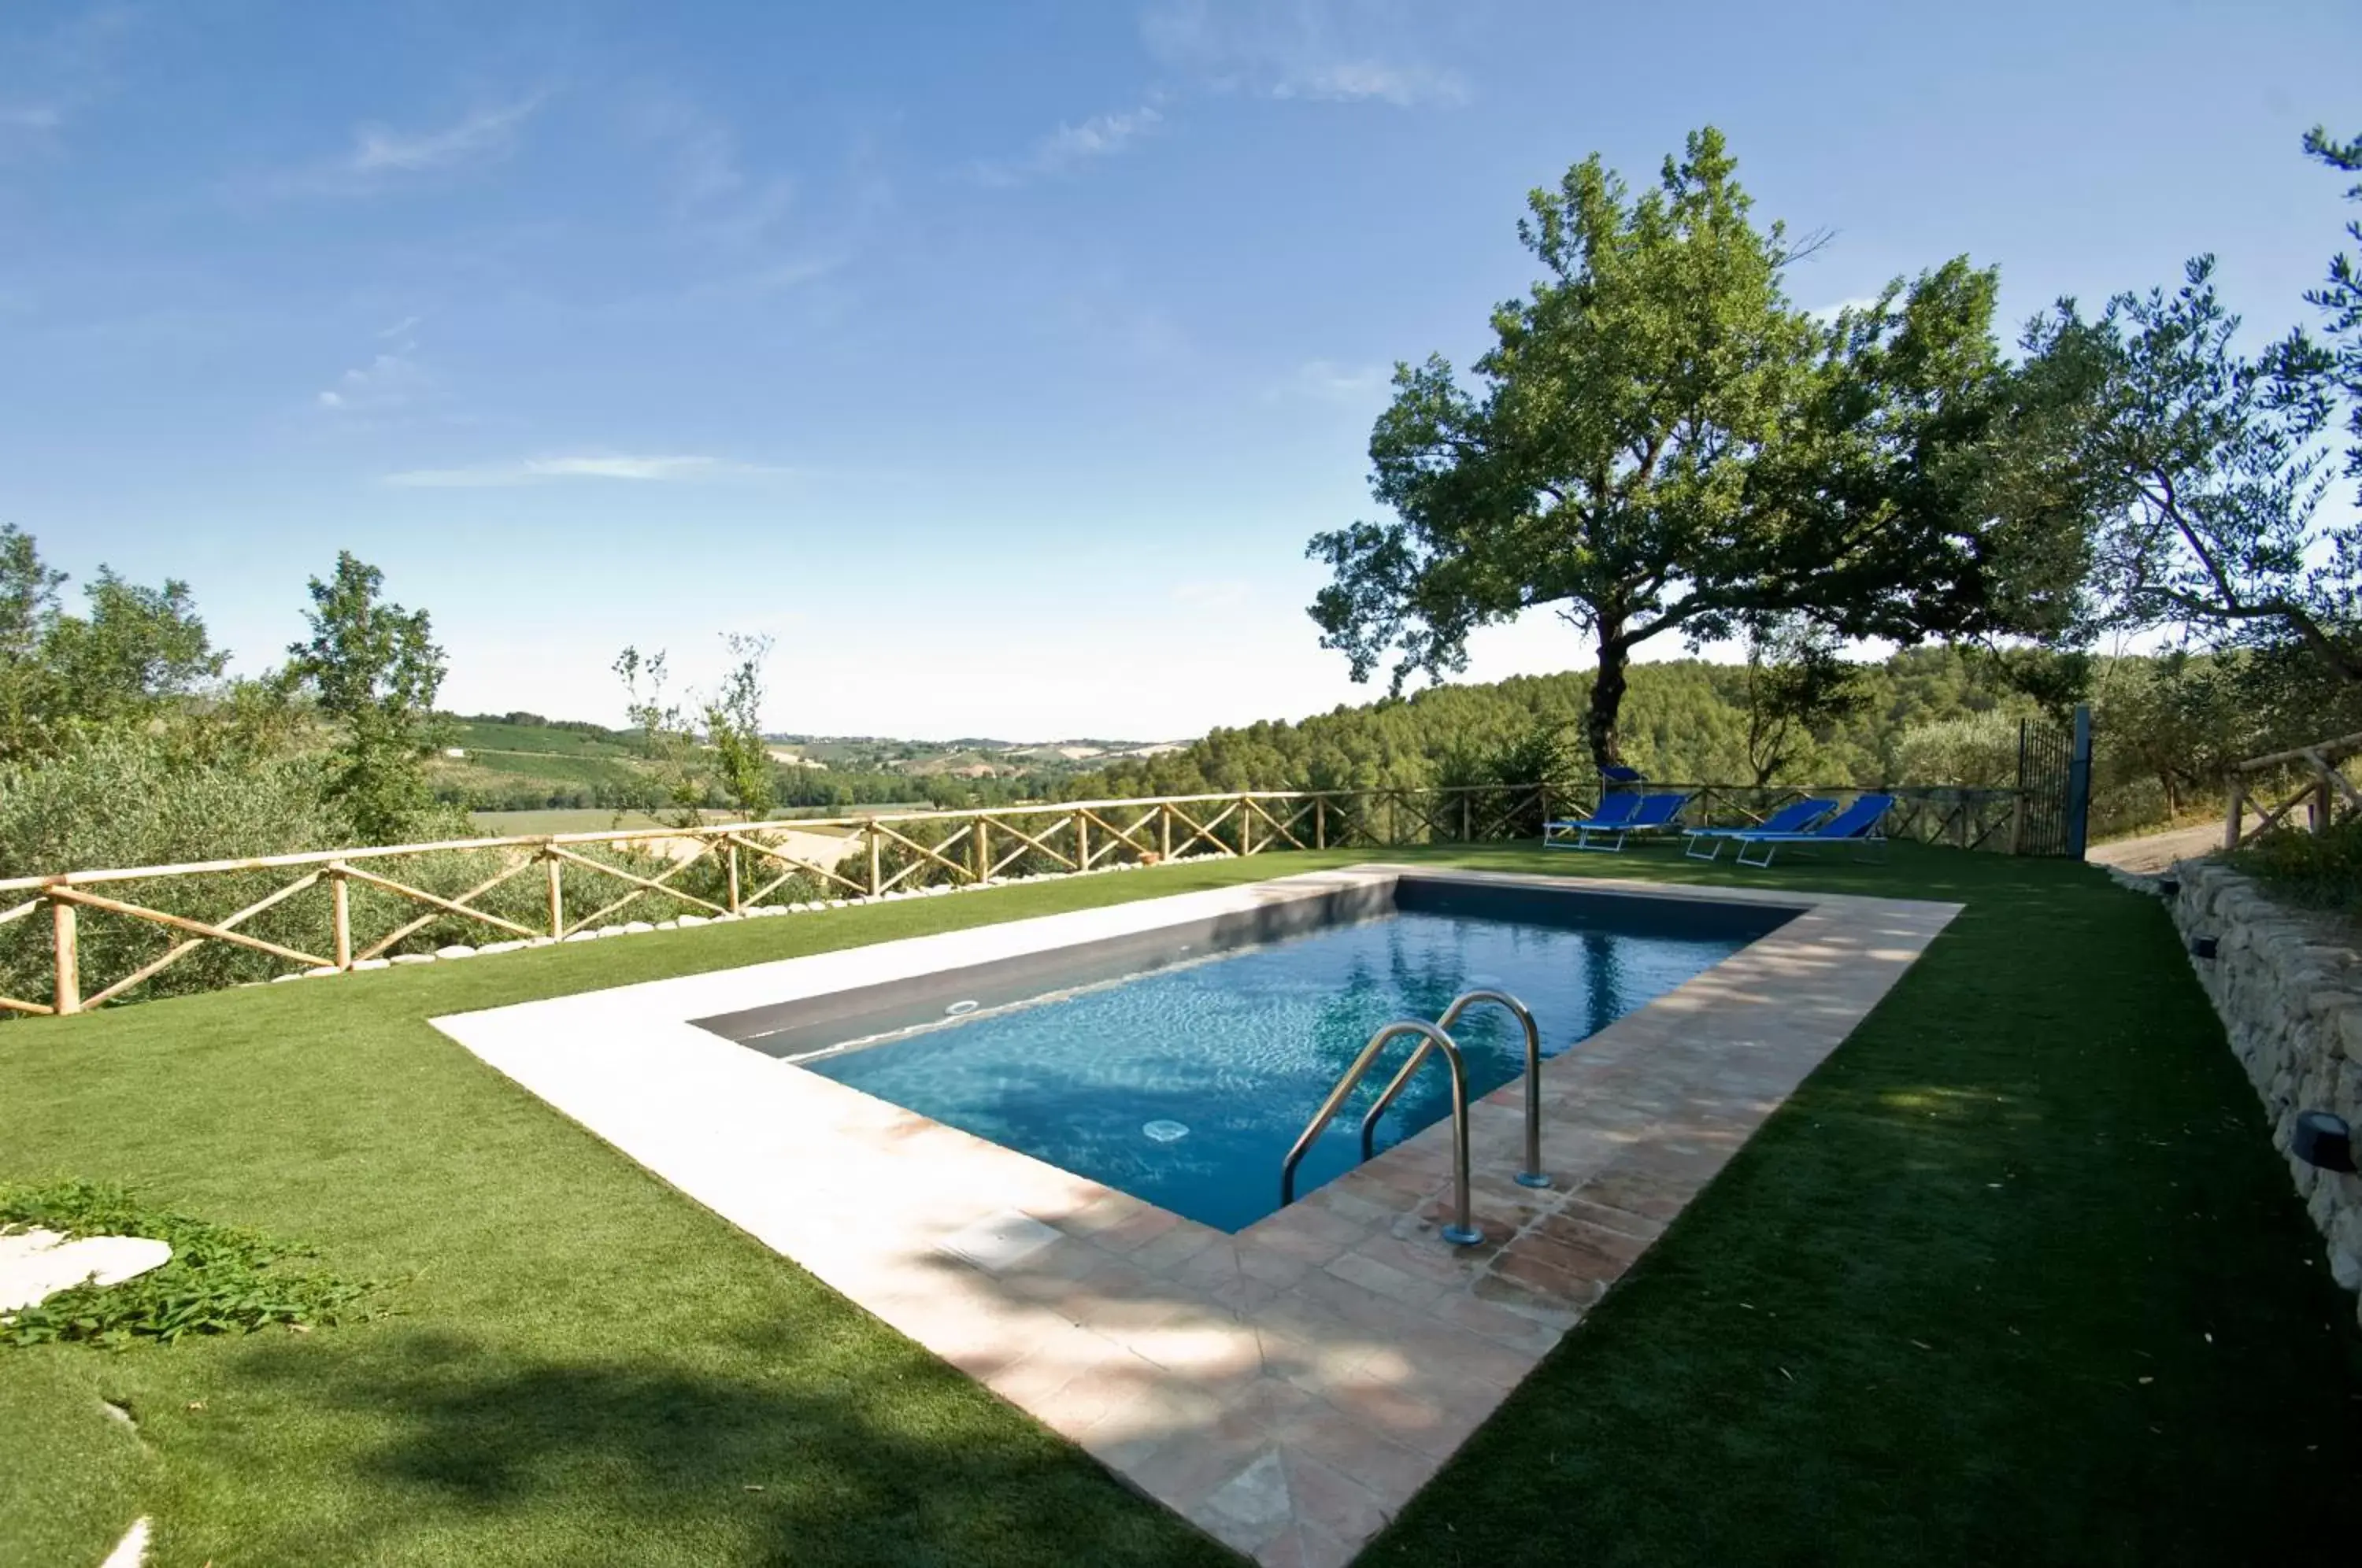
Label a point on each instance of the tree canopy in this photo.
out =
(2197, 466)
(1661, 441)
(374, 668)
(2339, 300)
(2198, 469)
(133, 651)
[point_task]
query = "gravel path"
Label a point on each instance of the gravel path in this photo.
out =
(2156, 851)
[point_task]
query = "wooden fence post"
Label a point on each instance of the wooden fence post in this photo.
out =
(1319, 821)
(2236, 788)
(554, 870)
(340, 911)
(979, 848)
(67, 999)
(733, 878)
(1465, 831)
(1165, 833)
(869, 830)
(1082, 841)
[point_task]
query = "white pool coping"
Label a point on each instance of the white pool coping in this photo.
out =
(1289, 1387)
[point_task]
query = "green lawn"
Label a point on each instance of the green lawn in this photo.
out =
(557, 768)
(2015, 1276)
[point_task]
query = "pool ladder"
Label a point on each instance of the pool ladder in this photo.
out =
(1433, 1038)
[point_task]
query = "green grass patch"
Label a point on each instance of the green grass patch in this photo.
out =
(1909, 1324)
(493, 734)
(220, 1279)
(554, 768)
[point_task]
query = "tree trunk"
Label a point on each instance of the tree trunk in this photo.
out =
(1607, 698)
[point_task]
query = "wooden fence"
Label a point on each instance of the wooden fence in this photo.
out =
(2321, 788)
(156, 929)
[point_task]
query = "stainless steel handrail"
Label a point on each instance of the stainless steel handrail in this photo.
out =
(1533, 1174)
(1462, 1232)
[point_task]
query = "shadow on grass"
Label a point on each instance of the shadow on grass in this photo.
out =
(476, 1455)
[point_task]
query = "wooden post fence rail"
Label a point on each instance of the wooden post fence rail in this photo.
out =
(113, 932)
(2322, 784)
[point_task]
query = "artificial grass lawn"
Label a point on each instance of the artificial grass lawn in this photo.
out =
(1910, 1323)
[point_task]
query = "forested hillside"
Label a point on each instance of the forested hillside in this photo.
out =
(1684, 720)
(2165, 727)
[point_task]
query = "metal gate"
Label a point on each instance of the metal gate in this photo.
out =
(2054, 781)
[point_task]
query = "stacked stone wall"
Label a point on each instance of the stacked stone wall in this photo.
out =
(2287, 985)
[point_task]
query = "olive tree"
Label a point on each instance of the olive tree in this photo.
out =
(1661, 442)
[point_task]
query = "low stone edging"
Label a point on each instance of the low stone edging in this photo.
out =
(2289, 991)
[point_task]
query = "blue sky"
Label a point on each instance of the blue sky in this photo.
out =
(997, 361)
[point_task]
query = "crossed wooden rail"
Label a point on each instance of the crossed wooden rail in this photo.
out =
(2323, 787)
(884, 853)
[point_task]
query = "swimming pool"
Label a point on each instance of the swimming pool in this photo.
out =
(1179, 1065)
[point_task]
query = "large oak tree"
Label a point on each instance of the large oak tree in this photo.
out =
(1661, 442)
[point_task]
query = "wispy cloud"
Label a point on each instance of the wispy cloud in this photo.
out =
(711, 193)
(49, 79)
(486, 134)
(1331, 51)
(735, 232)
(1332, 382)
(1401, 86)
(673, 466)
(1071, 146)
(392, 381)
(382, 158)
(1212, 594)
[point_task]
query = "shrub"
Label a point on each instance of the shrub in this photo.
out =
(1979, 752)
(2323, 870)
(127, 800)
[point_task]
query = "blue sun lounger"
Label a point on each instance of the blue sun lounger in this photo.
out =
(1858, 824)
(1615, 811)
(1653, 814)
(1796, 816)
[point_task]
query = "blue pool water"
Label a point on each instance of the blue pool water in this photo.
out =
(1237, 1050)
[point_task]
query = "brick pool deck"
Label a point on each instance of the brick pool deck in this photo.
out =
(1286, 1388)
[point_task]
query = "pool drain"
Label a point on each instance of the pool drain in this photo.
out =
(1163, 1131)
(960, 1009)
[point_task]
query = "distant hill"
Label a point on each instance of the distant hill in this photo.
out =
(524, 762)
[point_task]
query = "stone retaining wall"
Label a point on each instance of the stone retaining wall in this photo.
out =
(2288, 986)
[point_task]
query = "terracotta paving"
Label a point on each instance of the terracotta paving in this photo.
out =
(1287, 1388)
